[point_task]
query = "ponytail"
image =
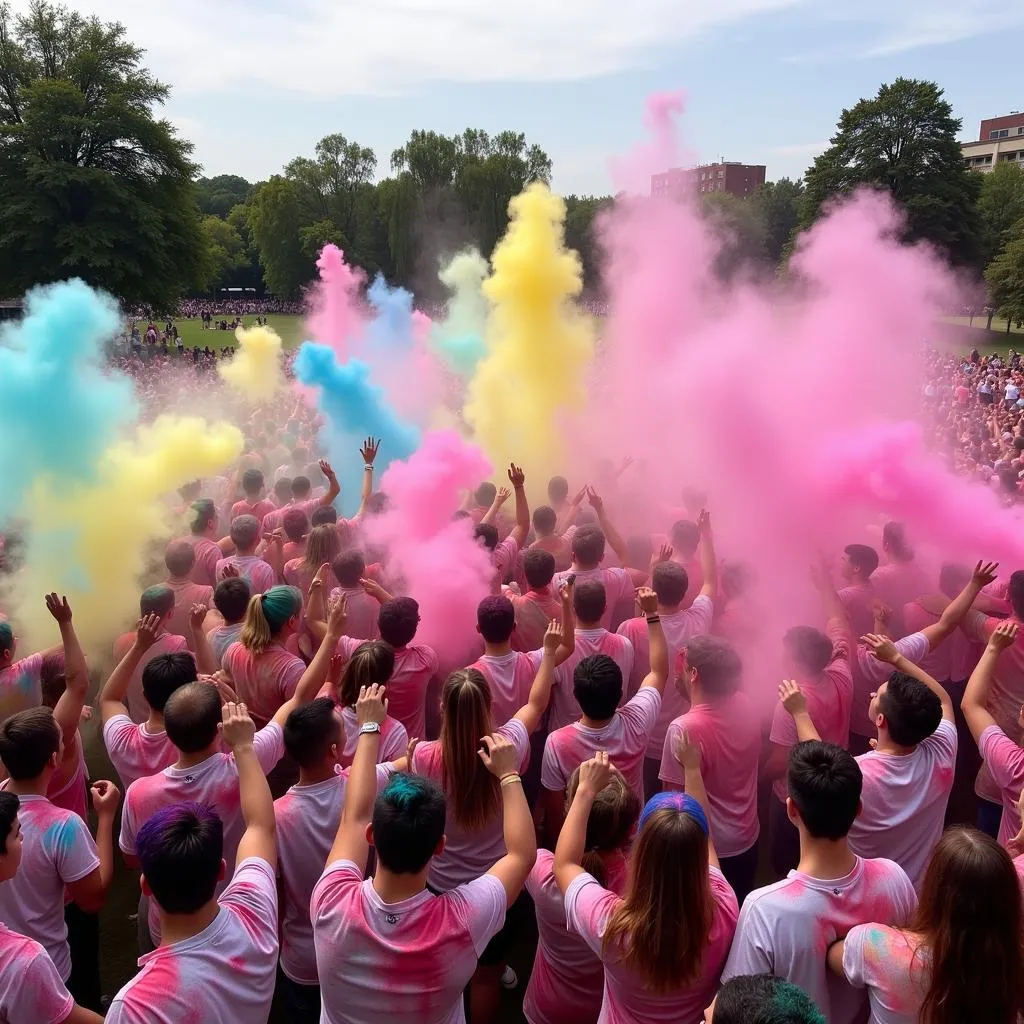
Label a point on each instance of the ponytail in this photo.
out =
(472, 791)
(611, 823)
(266, 616)
(371, 663)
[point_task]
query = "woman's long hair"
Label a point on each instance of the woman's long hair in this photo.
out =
(322, 546)
(371, 663)
(660, 930)
(267, 615)
(613, 817)
(970, 921)
(472, 791)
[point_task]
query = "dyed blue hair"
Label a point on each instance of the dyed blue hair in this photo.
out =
(675, 801)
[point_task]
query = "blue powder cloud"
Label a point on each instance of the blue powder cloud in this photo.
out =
(389, 333)
(59, 408)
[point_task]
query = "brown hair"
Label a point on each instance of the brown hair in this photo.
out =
(660, 929)
(322, 546)
(371, 663)
(27, 742)
(472, 791)
(613, 816)
(969, 920)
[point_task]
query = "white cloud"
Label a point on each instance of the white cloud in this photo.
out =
(811, 149)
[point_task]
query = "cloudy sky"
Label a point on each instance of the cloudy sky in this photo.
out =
(256, 82)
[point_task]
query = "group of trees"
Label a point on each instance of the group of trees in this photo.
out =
(93, 184)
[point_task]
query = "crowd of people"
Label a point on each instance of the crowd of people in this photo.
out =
(324, 814)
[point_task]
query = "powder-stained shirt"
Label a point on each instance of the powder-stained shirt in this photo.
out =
(510, 677)
(394, 740)
(785, 929)
(134, 751)
(404, 963)
(208, 554)
(264, 681)
(166, 643)
(534, 610)
(225, 973)
(21, 686)
(57, 850)
(257, 573)
(415, 666)
(564, 707)
(186, 594)
(221, 638)
(1004, 759)
(627, 998)
(618, 587)
(259, 509)
(31, 990)
(870, 672)
(362, 612)
(886, 961)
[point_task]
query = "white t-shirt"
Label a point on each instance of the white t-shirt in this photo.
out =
(904, 801)
(618, 587)
(31, 990)
(307, 822)
(564, 708)
(134, 751)
(785, 929)
(225, 973)
(869, 673)
(404, 963)
(510, 677)
(213, 781)
(468, 853)
(58, 849)
(624, 737)
(394, 740)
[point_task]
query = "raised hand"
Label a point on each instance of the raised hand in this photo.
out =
(105, 797)
(595, 774)
(664, 555)
(321, 575)
(596, 501)
(236, 727)
(369, 450)
(498, 754)
(881, 647)
(516, 476)
(792, 697)
(327, 469)
(197, 616)
(230, 571)
(985, 573)
(553, 637)
(147, 629)
(337, 618)
(373, 588)
(647, 599)
(704, 522)
(59, 608)
(371, 705)
(503, 495)
(1003, 636)
(686, 753)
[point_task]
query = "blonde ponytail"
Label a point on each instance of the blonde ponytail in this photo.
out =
(256, 636)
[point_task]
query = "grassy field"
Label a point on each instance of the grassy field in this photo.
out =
(192, 333)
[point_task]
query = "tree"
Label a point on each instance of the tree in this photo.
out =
(1001, 205)
(581, 213)
(276, 224)
(225, 250)
(740, 227)
(91, 185)
(903, 140)
(219, 195)
(779, 206)
(1005, 277)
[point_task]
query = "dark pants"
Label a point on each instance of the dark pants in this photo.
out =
(303, 1001)
(652, 784)
(84, 940)
(989, 817)
(740, 871)
(785, 839)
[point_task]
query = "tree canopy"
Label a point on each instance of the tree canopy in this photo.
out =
(1005, 277)
(903, 140)
(91, 183)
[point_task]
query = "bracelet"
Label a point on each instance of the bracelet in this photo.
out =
(653, 620)
(510, 779)
(367, 469)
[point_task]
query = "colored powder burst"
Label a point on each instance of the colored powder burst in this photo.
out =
(539, 343)
(459, 338)
(336, 315)
(354, 409)
(59, 410)
(108, 523)
(435, 556)
(255, 371)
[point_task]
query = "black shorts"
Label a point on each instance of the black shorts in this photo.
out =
(496, 953)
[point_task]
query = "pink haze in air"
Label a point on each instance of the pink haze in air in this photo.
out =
(789, 402)
(336, 317)
(435, 557)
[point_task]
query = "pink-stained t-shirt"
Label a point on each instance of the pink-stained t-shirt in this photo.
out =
(564, 707)
(258, 574)
(21, 686)
(298, 574)
(888, 963)
(362, 613)
(624, 737)
(904, 802)
(307, 822)
(186, 594)
(166, 643)
(67, 788)
(567, 980)
(264, 681)
(404, 963)
(274, 520)
(635, 631)
(785, 929)
(225, 973)
(394, 740)
(728, 735)
(618, 587)
(869, 673)
(1005, 761)
(57, 850)
(505, 556)
(534, 610)
(828, 702)
(31, 990)
(134, 751)
(260, 509)
(415, 666)
(510, 677)
(897, 584)
(208, 554)
(679, 628)
(468, 853)
(856, 601)
(627, 999)
(213, 781)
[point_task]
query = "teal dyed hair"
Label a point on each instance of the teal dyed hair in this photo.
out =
(6, 637)
(280, 604)
(158, 600)
(792, 1003)
(403, 789)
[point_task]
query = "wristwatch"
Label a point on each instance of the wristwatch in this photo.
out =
(368, 727)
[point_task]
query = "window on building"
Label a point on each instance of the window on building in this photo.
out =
(1000, 133)
(721, 174)
(988, 159)
(1020, 131)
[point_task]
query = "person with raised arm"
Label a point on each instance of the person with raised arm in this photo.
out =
(1003, 756)
(505, 553)
(218, 954)
(653, 968)
(388, 947)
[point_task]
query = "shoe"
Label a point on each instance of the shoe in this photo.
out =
(509, 979)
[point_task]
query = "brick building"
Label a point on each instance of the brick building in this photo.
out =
(735, 178)
(999, 139)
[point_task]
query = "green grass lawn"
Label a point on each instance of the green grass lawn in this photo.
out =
(192, 333)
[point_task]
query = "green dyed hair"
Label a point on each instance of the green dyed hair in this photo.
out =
(267, 615)
(6, 637)
(158, 600)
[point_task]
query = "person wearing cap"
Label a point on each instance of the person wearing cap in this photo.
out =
(654, 969)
